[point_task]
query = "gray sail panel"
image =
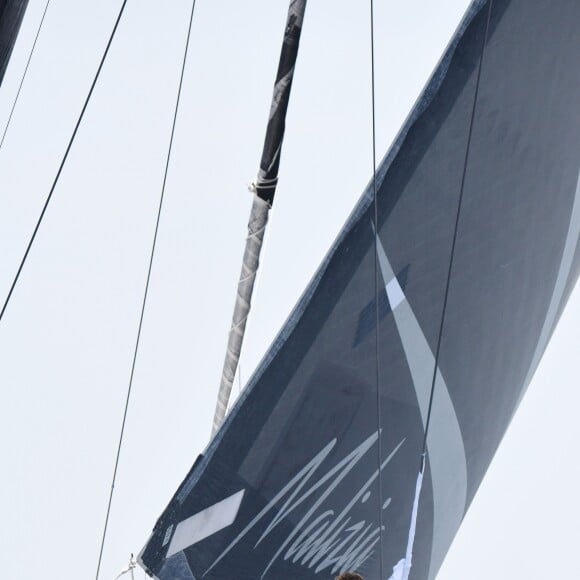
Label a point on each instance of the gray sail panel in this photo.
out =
(300, 450)
(518, 231)
(11, 15)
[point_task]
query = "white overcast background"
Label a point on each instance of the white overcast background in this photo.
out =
(67, 338)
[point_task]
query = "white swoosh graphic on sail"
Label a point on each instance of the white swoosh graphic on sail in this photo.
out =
(444, 440)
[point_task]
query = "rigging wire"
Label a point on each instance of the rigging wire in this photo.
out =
(24, 75)
(152, 254)
(63, 161)
(376, 282)
(404, 565)
(456, 228)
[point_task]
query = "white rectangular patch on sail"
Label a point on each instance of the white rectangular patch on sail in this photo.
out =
(395, 293)
(205, 523)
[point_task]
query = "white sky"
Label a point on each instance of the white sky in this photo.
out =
(67, 339)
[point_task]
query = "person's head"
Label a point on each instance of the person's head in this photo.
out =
(349, 576)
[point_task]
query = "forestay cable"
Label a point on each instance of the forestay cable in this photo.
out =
(62, 163)
(152, 254)
(24, 75)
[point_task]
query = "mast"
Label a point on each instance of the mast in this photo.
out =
(264, 189)
(11, 15)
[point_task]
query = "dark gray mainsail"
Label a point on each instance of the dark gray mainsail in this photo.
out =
(11, 15)
(420, 331)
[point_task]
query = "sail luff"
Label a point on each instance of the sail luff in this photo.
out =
(264, 189)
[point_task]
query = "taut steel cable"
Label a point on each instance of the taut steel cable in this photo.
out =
(454, 240)
(62, 163)
(376, 283)
(152, 254)
(24, 75)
